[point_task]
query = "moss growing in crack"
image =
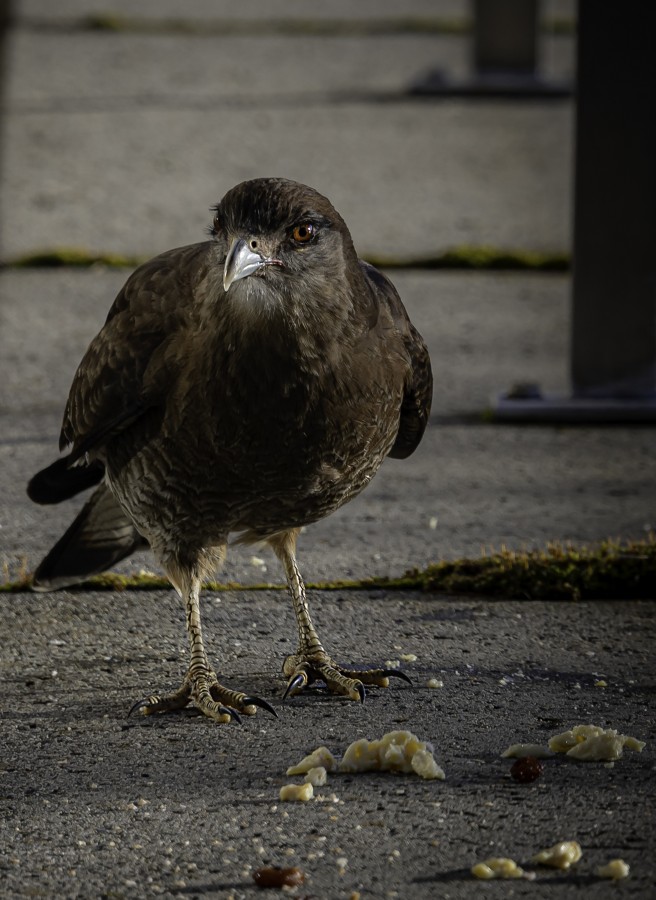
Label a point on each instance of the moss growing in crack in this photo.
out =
(479, 259)
(285, 27)
(421, 25)
(610, 570)
(606, 571)
(75, 257)
(458, 258)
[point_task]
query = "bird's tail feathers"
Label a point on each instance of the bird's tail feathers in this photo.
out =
(60, 481)
(100, 536)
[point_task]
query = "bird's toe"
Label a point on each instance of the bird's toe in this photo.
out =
(208, 696)
(303, 671)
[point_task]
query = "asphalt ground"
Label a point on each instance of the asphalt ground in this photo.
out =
(120, 142)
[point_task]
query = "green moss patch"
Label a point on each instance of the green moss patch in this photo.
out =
(288, 27)
(611, 570)
(607, 571)
(479, 259)
(75, 257)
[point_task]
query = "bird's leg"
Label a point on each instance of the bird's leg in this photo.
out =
(311, 662)
(200, 685)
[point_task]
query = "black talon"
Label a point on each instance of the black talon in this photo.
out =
(396, 673)
(140, 704)
(231, 712)
(297, 682)
(361, 691)
(263, 704)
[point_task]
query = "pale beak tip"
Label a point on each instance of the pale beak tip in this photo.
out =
(240, 262)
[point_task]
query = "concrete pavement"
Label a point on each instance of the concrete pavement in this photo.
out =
(120, 142)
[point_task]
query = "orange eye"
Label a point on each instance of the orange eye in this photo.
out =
(304, 233)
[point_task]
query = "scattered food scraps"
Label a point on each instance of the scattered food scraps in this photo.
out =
(590, 742)
(302, 792)
(499, 867)
(319, 757)
(435, 683)
(423, 763)
(615, 869)
(560, 856)
(317, 776)
(397, 751)
(394, 752)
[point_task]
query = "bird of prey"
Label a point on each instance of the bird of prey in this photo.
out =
(244, 386)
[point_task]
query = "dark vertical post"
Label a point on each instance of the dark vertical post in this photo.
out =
(504, 56)
(505, 37)
(613, 348)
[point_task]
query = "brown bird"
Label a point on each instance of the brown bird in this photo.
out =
(247, 385)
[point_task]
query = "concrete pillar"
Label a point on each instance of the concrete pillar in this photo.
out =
(613, 347)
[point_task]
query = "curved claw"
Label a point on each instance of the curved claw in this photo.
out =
(396, 673)
(263, 704)
(140, 704)
(361, 691)
(295, 684)
(232, 713)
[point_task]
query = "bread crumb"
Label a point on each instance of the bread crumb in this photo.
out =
(321, 757)
(317, 776)
(394, 752)
(590, 742)
(614, 869)
(423, 763)
(302, 792)
(497, 867)
(560, 856)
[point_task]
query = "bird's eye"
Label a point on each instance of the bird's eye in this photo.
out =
(304, 232)
(216, 223)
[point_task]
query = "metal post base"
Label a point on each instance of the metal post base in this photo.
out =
(538, 409)
(492, 83)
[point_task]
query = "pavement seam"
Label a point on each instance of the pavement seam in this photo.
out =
(464, 257)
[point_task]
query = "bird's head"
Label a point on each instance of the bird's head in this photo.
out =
(275, 232)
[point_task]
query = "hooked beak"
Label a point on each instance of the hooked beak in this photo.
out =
(241, 262)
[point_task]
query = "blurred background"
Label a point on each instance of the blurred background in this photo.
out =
(125, 122)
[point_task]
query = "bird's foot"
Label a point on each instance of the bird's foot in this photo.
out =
(202, 688)
(304, 669)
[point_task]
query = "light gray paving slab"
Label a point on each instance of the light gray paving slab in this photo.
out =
(408, 179)
(257, 9)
